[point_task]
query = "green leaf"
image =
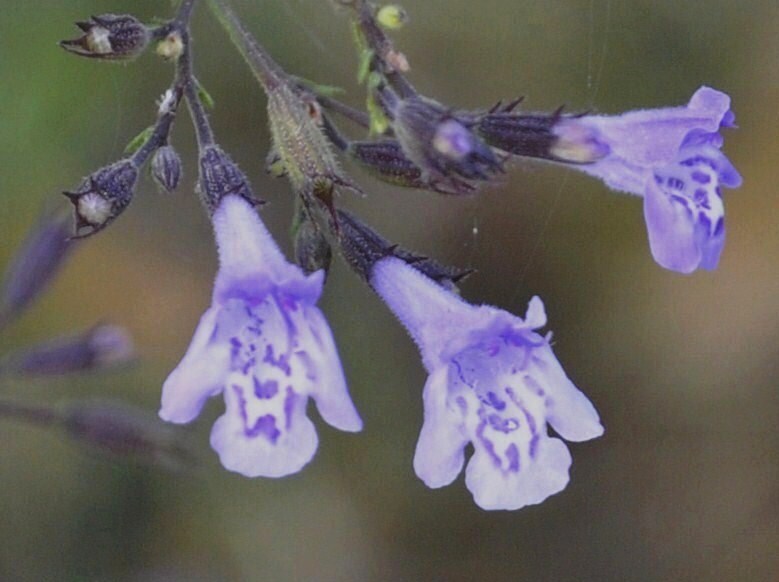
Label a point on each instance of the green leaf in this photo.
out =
(364, 66)
(205, 96)
(137, 142)
(323, 90)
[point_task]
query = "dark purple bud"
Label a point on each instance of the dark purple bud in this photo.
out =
(361, 247)
(312, 250)
(125, 431)
(166, 168)
(103, 196)
(441, 144)
(100, 347)
(110, 37)
(36, 263)
(386, 160)
(545, 136)
(220, 176)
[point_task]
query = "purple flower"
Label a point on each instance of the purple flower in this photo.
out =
(265, 345)
(493, 382)
(672, 158)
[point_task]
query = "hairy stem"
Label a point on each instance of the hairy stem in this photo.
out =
(265, 69)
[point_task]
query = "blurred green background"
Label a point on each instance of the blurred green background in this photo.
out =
(684, 370)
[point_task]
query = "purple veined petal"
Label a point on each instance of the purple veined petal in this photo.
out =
(439, 455)
(330, 391)
(712, 103)
(493, 488)
(199, 375)
(569, 411)
(671, 229)
(643, 140)
(276, 444)
(653, 137)
(432, 315)
(250, 261)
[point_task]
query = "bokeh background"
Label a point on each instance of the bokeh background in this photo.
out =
(684, 370)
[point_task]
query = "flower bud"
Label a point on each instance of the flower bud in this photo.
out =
(99, 347)
(103, 196)
(121, 430)
(392, 16)
(166, 168)
(171, 47)
(110, 37)
(37, 262)
(439, 143)
(220, 176)
(386, 160)
(312, 250)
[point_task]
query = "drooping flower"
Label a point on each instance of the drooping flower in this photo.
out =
(266, 347)
(494, 382)
(672, 158)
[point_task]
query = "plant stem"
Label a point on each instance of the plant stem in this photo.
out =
(265, 69)
(28, 413)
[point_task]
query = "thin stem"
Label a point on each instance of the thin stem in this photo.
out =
(205, 135)
(359, 117)
(382, 47)
(184, 14)
(28, 413)
(335, 136)
(161, 131)
(265, 69)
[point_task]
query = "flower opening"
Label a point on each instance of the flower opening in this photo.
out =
(266, 347)
(495, 383)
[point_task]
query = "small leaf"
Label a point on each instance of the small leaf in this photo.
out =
(321, 90)
(379, 121)
(137, 142)
(364, 67)
(205, 96)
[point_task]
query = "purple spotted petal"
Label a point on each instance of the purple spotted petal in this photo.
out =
(263, 436)
(671, 231)
(493, 489)
(267, 347)
(494, 382)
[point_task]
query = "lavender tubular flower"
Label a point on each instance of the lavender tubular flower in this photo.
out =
(265, 345)
(36, 263)
(494, 382)
(100, 347)
(672, 158)
(121, 430)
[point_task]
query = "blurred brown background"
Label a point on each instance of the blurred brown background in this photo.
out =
(684, 370)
